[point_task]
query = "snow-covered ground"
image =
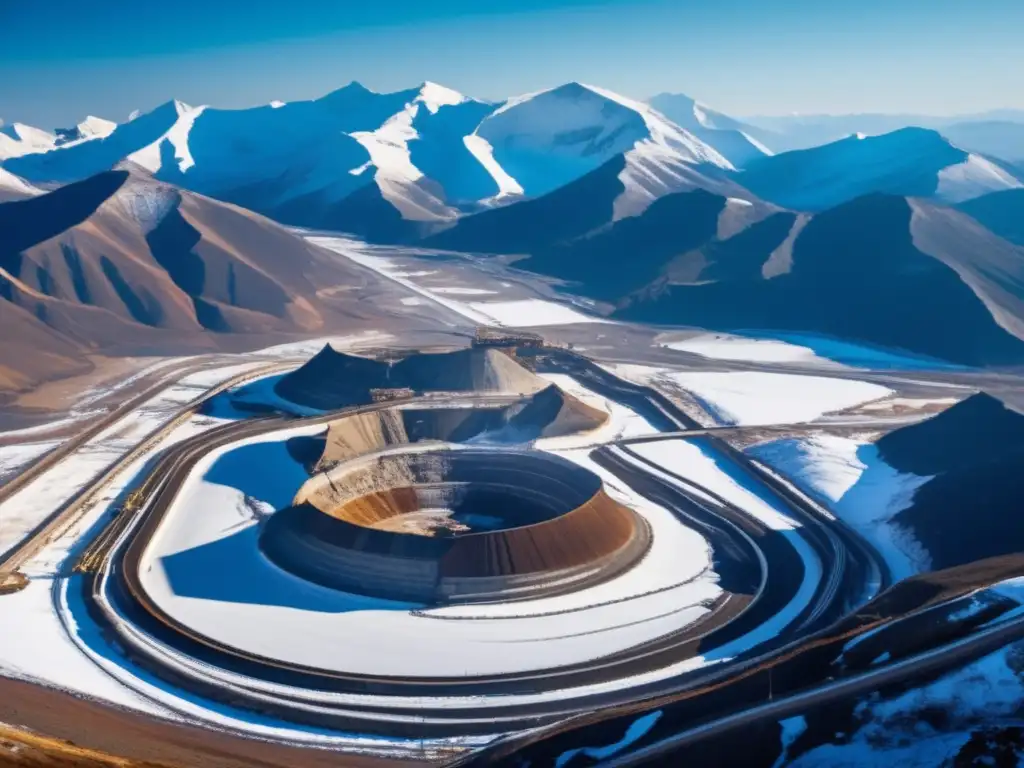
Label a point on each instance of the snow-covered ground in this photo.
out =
(752, 398)
(901, 730)
(35, 502)
(850, 476)
(58, 644)
(803, 349)
(622, 421)
(719, 346)
(520, 313)
(204, 568)
(14, 457)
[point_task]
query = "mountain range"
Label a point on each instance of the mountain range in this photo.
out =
(163, 227)
(122, 263)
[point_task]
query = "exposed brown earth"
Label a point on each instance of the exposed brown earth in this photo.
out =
(87, 734)
(121, 264)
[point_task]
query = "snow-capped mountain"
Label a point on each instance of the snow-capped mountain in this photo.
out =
(90, 128)
(13, 188)
(912, 162)
(93, 152)
(392, 165)
(739, 142)
(18, 139)
(548, 139)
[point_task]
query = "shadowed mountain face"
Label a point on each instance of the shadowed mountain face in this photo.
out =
(909, 162)
(861, 271)
(632, 252)
(122, 263)
(567, 213)
(1001, 212)
(970, 509)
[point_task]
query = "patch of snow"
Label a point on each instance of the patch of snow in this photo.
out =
(459, 291)
(95, 127)
(396, 176)
(921, 753)
(18, 139)
(724, 347)
(12, 187)
(700, 464)
(14, 457)
(636, 731)
(149, 157)
(857, 485)
(972, 178)
(40, 650)
(755, 398)
(482, 150)
(792, 729)
(528, 313)
(434, 96)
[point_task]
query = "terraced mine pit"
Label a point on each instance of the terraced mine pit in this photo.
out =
(455, 525)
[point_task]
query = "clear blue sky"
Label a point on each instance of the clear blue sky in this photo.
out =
(62, 59)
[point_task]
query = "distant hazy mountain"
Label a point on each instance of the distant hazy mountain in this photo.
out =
(881, 269)
(1001, 212)
(740, 143)
(998, 138)
(911, 161)
(804, 131)
(122, 262)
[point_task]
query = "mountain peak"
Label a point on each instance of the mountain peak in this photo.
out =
(435, 96)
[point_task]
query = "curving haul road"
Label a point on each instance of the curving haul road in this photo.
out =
(761, 572)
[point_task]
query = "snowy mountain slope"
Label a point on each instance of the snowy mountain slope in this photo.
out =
(13, 188)
(910, 162)
(588, 207)
(18, 139)
(90, 128)
(736, 141)
(77, 160)
(546, 140)
(429, 153)
(880, 269)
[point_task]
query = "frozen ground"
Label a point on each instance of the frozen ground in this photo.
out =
(14, 457)
(692, 460)
(753, 398)
(718, 346)
(902, 731)
(622, 421)
(57, 643)
(519, 313)
(205, 569)
(857, 485)
(35, 502)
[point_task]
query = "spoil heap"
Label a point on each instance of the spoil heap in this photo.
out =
(333, 379)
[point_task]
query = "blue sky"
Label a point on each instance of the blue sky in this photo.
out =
(62, 59)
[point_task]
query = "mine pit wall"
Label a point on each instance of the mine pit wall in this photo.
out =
(326, 536)
(549, 413)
